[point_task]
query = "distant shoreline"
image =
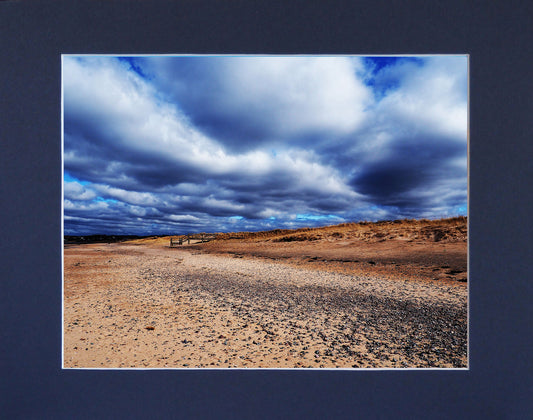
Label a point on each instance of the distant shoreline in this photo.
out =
(93, 239)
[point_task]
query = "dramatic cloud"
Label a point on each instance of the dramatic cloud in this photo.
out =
(182, 144)
(246, 102)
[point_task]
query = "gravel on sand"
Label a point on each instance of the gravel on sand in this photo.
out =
(148, 306)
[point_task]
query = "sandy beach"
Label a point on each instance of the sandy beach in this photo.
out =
(233, 304)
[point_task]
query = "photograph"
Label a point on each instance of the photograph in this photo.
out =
(265, 211)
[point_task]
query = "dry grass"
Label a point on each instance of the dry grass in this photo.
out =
(441, 230)
(447, 230)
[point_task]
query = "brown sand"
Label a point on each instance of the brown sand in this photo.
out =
(267, 303)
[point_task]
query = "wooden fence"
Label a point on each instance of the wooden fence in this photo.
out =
(202, 237)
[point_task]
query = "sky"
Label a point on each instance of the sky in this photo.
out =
(157, 145)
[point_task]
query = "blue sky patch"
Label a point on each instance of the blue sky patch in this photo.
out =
(69, 178)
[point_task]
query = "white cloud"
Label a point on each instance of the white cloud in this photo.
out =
(298, 95)
(85, 206)
(265, 98)
(183, 218)
(76, 191)
(432, 98)
(131, 197)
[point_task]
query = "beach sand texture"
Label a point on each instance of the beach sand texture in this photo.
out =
(335, 301)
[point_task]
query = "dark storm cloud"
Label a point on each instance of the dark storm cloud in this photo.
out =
(182, 144)
(410, 165)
